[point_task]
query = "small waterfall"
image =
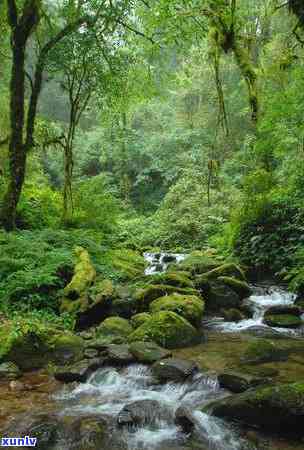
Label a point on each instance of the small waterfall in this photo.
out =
(159, 262)
(262, 299)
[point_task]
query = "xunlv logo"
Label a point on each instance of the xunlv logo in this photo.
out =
(26, 441)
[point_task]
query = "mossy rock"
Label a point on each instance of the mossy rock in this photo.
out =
(167, 329)
(139, 319)
(34, 349)
(220, 296)
(146, 295)
(114, 326)
(283, 320)
(279, 408)
(187, 306)
(197, 263)
(262, 351)
(233, 315)
(177, 279)
(84, 275)
(148, 352)
(226, 270)
(240, 287)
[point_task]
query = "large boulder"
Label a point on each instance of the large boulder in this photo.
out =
(219, 296)
(279, 408)
(240, 287)
(34, 349)
(79, 372)
(114, 330)
(138, 319)
(118, 354)
(188, 306)
(167, 329)
(226, 270)
(148, 352)
(146, 295)
(177, 279)
(173, 369)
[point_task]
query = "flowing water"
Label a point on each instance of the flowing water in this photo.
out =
(110, 389)
(159, 262)
(263, 297)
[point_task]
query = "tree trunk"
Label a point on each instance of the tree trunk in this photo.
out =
(17, 151)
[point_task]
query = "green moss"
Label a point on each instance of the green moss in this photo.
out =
(262, 350)
(139, 319)
(177, 279)
(34, 346)
(226, 270)
(198, 262)
(114, 326)
(128, 263)
(84, 275)
(167, 329)
(146, 295)
(283, 320)
(238, 286)
(189, 307)
(233, 315)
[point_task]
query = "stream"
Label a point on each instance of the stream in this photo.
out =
(110, 389)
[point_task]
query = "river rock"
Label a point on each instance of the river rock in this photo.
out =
(148, 352)
(9, 371)
(232, 315)
(142, 412)
(146, 295)
(184, 419)
(168, 330)
(279, 408)
(140, 318)
(283, 320)
(238, 382)
(240, 287)
(173, 369)
(284, 309)
(78, 372)
(220, 296)
(118, 354)
(188, 306)
(178, 279)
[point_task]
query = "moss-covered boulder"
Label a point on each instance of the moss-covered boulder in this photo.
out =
(139, 319)
(187, 306)
(262, 351)
(114, 330)
(226, 270)
(177, 279)
(198, 262)
(279, 408)
(146, 295)
(233, 315)
(283, 320)
(167, 329)
(239, 286)
(148, 352)
(237, 382)
(35, 348)
(219, 296)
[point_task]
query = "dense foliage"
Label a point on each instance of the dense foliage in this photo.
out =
(173, 125)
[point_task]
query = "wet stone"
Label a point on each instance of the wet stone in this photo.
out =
(173, 369)
(239, 382)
